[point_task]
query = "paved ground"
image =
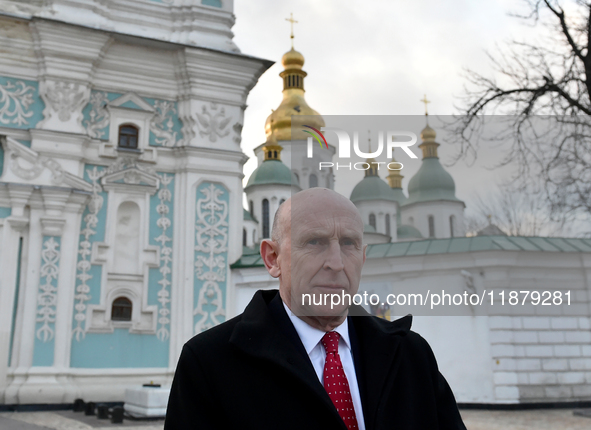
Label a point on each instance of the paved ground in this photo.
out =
(560, 419)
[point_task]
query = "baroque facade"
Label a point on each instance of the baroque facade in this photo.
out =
(120, 189)
(123, 233)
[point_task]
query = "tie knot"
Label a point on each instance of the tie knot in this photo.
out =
(330, 341)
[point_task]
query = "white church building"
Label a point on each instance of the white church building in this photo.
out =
(123, 232)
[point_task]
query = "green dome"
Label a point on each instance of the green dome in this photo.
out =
(408, 232)
(372, 188)
(430, 183)
(368, 228)
(272, 172)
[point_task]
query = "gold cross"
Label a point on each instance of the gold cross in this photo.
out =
(292, 21)
(424, 100)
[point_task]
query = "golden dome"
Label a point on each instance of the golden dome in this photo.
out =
(428, 134)
(292, 59)
(429, 146)
(293, 103)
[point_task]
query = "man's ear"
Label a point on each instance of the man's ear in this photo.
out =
(270, 254)
(364, 249)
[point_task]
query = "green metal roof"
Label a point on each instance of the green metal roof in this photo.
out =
(431, 182)
(372, 188)
(456, 245)
(247, 216)
(272, 172)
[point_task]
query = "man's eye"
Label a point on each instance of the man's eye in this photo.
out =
(349, 242)
(314, 242)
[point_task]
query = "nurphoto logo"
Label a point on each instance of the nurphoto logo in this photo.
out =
(344, 148)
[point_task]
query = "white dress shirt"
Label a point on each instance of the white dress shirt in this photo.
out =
(311, 337)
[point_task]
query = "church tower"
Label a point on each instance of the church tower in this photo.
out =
(432, 206)
(279, 125)
(377, 204)
(120, 189)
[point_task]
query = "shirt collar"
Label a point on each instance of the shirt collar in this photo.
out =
(311, 336)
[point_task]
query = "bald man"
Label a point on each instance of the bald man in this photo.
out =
(286, 363)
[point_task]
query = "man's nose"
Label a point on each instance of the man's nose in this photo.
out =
(334, 258)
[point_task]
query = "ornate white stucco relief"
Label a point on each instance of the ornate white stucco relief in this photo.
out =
(237, 132)
(15, 99)
(29, 165)
(161, 124)
(213, 122)
(85, 251)
(164, 223)
(47, 295)
(99, 115)
(212, 246)
(64, 98)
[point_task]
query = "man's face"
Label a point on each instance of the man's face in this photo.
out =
(326, 252)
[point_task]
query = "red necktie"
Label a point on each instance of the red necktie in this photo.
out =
(335, 380)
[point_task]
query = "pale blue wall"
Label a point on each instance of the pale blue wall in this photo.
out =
(118, 350)
(122, 349)
(5, 212)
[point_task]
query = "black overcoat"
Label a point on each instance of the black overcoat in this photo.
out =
(252, 372)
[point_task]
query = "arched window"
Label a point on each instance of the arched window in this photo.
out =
(388, 224)
(297, 177)
(128, 136)
(431, 226)
(254, 236)
(372, 220)
(281, 202)
(452, 221)
(251, 208)
(121, 309)
(411, 221)
(313, 180)
(243, 237)
(265, 219)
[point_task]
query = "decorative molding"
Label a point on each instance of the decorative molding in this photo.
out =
(161, 124)
(127, 171)
(237, 127)
(34, 164)
(52, 226)
(213, 123)
(164, 223)
(47, 295)
(15, 99)
(85, 250)
(99, 116)
(63, 97)
(211, 253)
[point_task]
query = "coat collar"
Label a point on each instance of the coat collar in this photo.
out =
(266, 332)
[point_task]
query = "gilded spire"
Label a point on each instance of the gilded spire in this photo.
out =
(292, 22)
(429, 146)
(293, 102)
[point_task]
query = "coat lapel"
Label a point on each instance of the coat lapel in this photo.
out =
(266, 332)
(375, 347)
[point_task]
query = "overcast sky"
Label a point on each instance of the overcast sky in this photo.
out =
(376, 57)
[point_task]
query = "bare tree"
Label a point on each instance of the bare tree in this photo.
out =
(515, 213)
(544, 88)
